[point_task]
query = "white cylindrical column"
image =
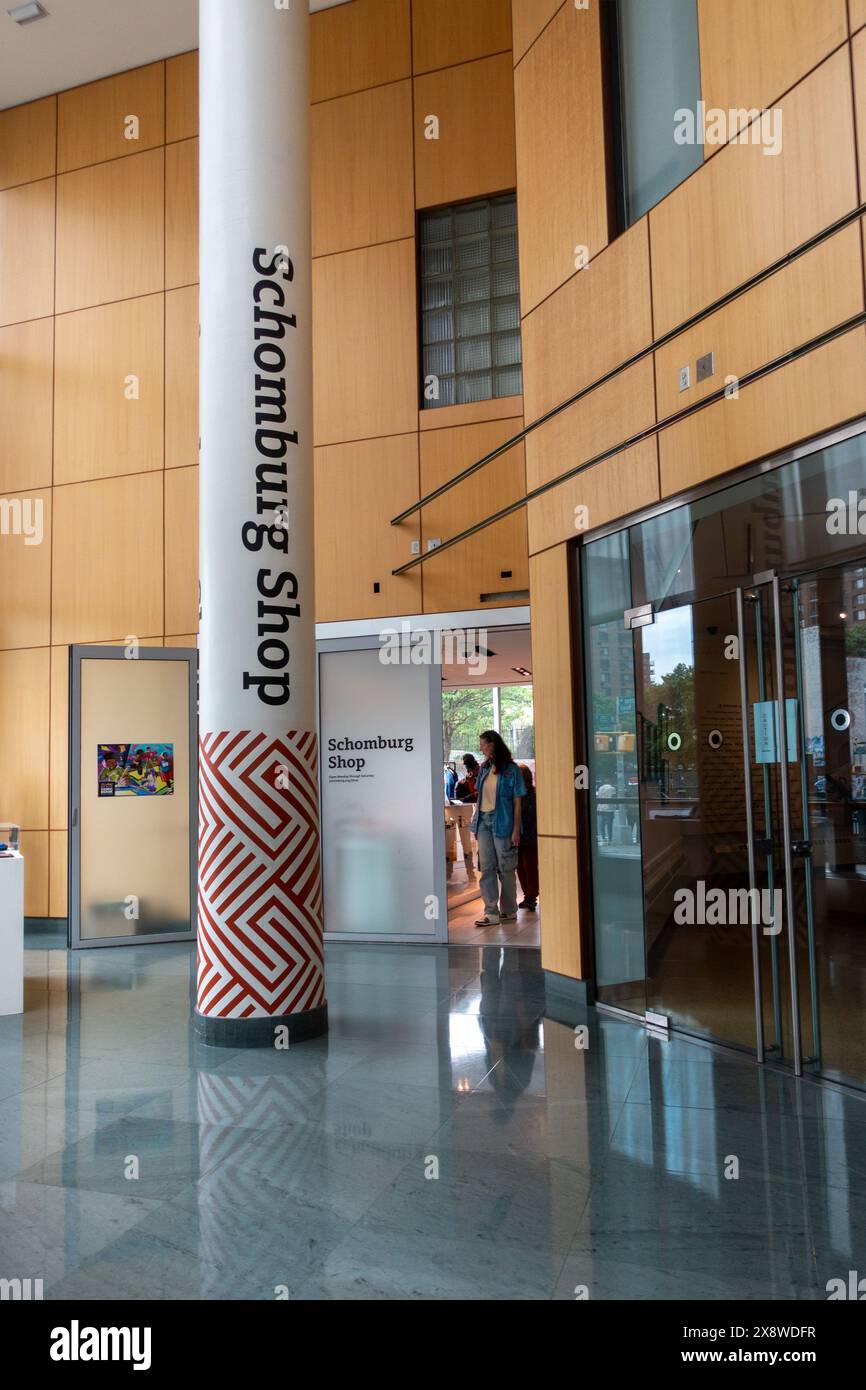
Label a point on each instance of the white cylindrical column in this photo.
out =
(260, 900)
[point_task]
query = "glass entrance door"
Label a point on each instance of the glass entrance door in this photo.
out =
(753, 821)
(724, 643)
(703, 948)
(824, 626)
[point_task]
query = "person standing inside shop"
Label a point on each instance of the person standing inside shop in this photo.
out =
(467, 787)
(466, 792)
(496, 827)
(527, 853)
(450, 772)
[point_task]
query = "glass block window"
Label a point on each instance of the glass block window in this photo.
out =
(470, 305)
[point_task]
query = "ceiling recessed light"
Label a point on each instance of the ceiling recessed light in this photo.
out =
(25, 14)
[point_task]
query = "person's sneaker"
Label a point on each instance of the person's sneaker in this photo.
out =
(504, 917)
(488, 921)
(525, 903)
(529, 905)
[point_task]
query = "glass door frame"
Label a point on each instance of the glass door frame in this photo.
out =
(802, 843)
(782, 841)
(769, 580)
(644, 616)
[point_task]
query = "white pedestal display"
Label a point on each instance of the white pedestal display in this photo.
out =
(11, 934)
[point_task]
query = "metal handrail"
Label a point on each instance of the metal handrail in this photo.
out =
(745, 380)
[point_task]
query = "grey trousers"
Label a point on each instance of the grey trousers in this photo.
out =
(467, 847)
(498, 857)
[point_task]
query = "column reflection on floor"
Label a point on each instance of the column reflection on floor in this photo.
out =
(448, 1139)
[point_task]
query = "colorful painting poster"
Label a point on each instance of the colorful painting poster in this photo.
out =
(135, 769)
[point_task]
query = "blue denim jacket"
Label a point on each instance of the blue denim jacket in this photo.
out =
(509, 785)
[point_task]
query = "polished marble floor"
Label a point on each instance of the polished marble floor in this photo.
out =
(446, 1141)
(462, 931)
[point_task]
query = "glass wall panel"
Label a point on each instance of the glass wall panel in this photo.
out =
(799, 516)
(517, 721)
(757, 595)
(613, 776)
(659, 74)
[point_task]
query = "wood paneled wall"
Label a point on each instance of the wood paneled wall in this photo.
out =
(741, 210)
(381, 70)
(98, 395)
(99, 347)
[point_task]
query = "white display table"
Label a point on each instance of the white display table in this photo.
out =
(11, 933)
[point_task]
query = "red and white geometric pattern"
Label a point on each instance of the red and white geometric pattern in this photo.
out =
(259, 875)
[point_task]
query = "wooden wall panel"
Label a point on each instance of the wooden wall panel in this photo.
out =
(472, 413)
(58, 774)
(858, 59)
(108, 390)
(483, 565)
(621, 484)
(110, 231)
(93, 122)
(752, 53)
(857, 13)
(123, 641)
(107, 579)
(181, 550)
(26, 366)
(474, 153)
(606, 305)
(744, 208)
(364, 44)
(359, 487)
(560, 152)
(554, 760)
(24, 677)
(558, 889)
(34, 847)
(812, 394)
(28, 142)
(528, 18)
(27, 262)
(181, 377)
(362, 169)
(25, 570)
(552, 691)
(57, 865)
(181, 96)
(445, 32)
(456, 579)
(181, 214)
(816, 292)
(365, 375)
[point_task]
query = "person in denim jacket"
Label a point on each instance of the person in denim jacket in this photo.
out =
(496, 827)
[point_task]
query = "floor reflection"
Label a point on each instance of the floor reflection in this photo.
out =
(446, 1140)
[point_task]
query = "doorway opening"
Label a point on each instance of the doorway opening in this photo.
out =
(493, 691)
